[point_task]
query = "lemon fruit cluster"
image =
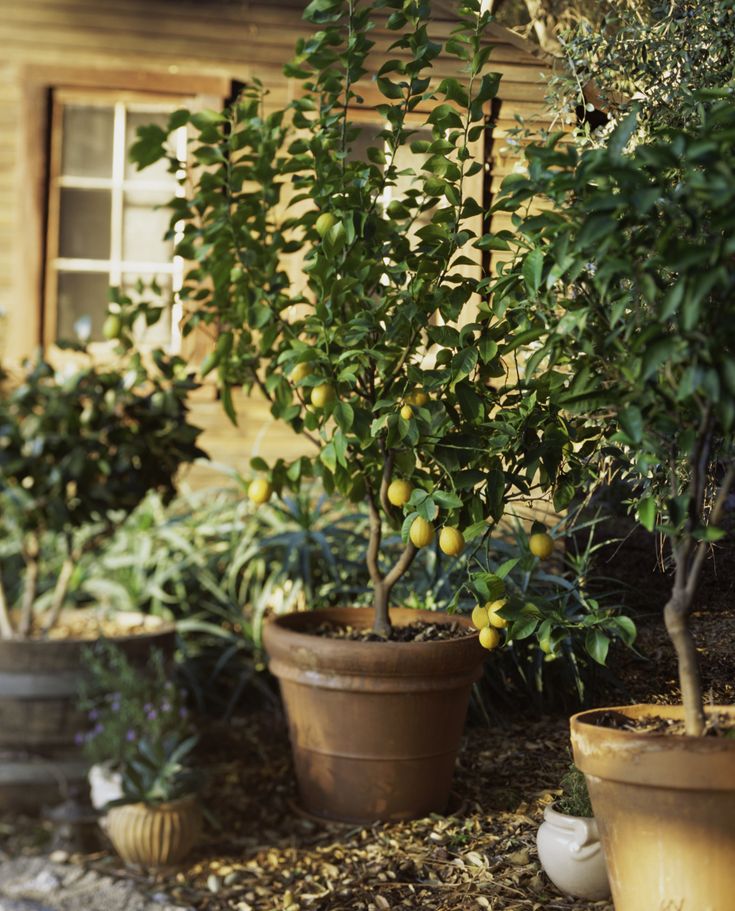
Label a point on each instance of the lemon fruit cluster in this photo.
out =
(487, 619)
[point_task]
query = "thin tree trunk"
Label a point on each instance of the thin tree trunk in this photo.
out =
(676, 616)
(6, 626)
(381, 619)
(689, 563)
(60, 590)
(29, 595)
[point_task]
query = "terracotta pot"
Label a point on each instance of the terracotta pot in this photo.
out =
(665, 807)
(571, 854)
(375, 727)
(39, 684)
(155, 836)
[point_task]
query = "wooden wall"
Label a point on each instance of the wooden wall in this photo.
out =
(187, 47)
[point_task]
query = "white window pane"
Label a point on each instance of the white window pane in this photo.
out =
(84, 229)
(82, 304)
(87, 141)
(157, 171)
(145, 221)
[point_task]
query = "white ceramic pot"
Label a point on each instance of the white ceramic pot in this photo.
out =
(105, 785)
(571, 854)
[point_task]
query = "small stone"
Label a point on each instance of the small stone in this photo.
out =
(231, 878)
(214, 883)
(59, 857)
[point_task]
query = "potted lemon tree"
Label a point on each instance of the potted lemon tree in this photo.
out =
(384, 353)
(78, 451)
(630, 273)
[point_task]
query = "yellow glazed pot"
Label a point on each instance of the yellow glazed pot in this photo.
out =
(155, 836)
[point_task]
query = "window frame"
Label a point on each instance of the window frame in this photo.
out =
(121, 102)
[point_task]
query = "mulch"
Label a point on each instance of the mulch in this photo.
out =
(261, 852)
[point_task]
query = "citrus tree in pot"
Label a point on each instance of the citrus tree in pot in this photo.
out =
(78, 451)
(384, 355)
(634, 304)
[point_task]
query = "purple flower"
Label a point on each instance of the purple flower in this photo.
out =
(98, 728)
(183, 713)
(166, 707)
(115, 705)
(147, 707)
(79, 738)
(152, 715)
(130, 736)
(93, 715)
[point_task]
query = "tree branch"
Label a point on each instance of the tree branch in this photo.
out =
(385, 480)
(30, 557)
(714, 518)
(401, 566)
(376, 534)
(6, 626)
(60, 591)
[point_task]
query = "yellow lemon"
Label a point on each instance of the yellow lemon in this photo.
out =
(489, 638)
(492, 610)
(399, 492)
(480, 617)
(451, 541)
(407, 412)
(325, 221)
(421, 532)
(112, 326)
(322, 395)
(418, 398)
(260, 491)
(541, 545)
(300, 371)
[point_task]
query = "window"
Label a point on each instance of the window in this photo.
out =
(107, 221)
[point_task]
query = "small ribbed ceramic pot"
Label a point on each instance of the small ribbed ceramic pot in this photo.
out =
(571, 854)
(155, 836)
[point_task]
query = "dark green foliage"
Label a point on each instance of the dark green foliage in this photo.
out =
(385, 248)
(575, 800)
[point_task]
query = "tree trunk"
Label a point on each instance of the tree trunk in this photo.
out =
(381, 617)
(676, 617)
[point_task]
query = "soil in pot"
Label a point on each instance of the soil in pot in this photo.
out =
(375, 727)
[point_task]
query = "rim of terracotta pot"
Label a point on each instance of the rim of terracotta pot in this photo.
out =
(159, 628)
(655, 760)
(286, 639)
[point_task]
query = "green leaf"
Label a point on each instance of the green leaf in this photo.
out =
(647, 513)
(631, 420)
(597, 645)
(532, 270)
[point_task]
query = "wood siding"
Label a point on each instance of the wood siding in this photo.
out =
(189, 48)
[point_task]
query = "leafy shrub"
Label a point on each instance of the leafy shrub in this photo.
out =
(575, 799)
(78, 452)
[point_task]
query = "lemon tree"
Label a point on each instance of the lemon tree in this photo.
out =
(385, 353)
(632, 278)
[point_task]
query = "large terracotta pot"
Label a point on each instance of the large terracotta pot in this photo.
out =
(665, 807)
(375, 727)
(39, 683)
(155, 836)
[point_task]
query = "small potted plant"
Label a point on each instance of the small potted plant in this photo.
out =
(157, 820)
(120, 700)
(384, 354)
(79, 449)
(569, 844)
(630, 278)
(139, 740)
